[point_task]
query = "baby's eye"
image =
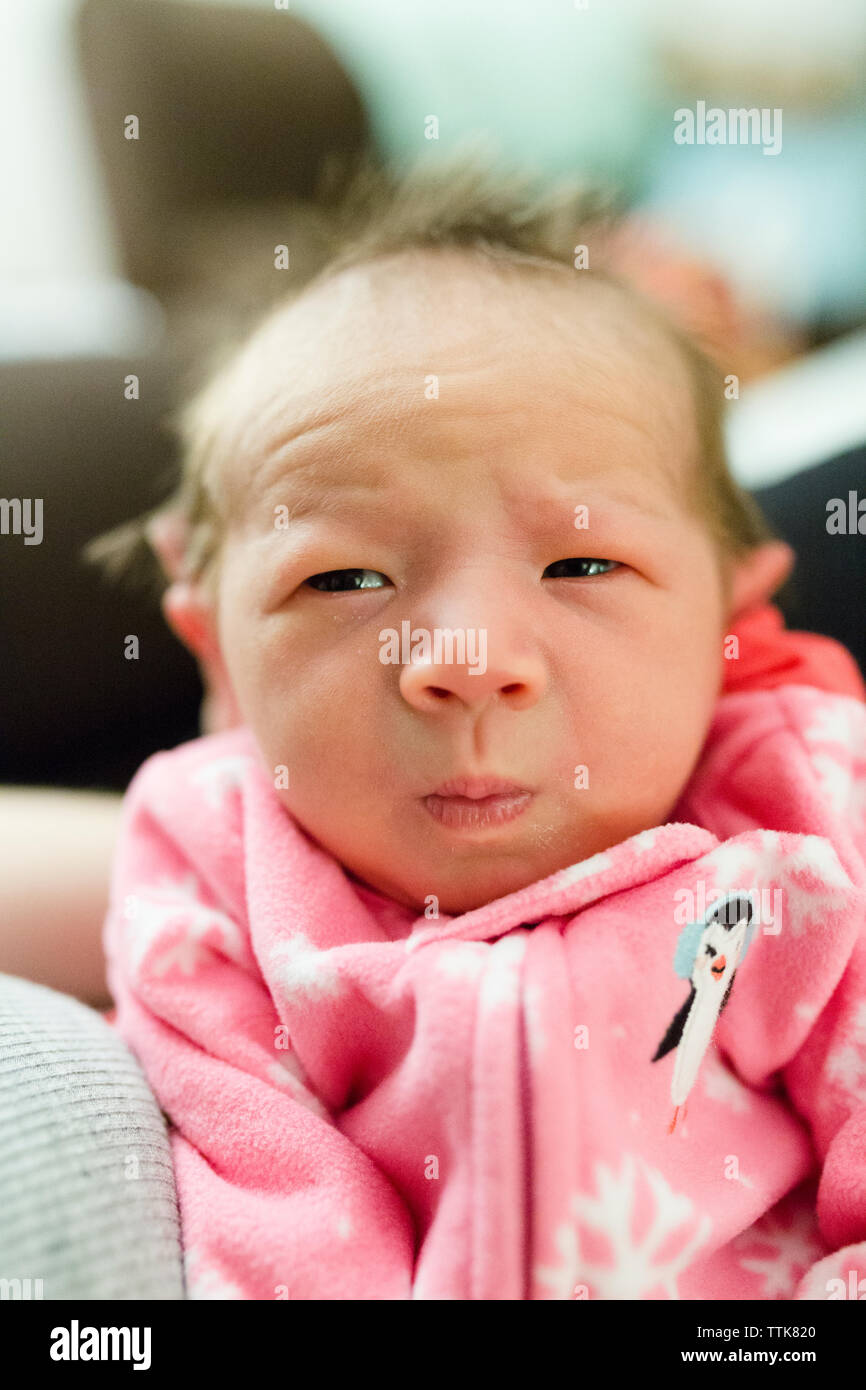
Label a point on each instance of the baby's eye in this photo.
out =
(343, 581)
(578, 568)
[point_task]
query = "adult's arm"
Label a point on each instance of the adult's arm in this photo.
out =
(56, 849)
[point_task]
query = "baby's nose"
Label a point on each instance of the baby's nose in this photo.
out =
(431, 685)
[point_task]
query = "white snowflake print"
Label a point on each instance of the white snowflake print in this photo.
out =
(500, 983)
(576, 873)
(219, 777)
(835, 1276)
(204, 1283)
(791, 1250)
(839, 768)
(634, 1271)
(497, 965)
(561, 1278)
(645, 840)
(460, 960)
(301, 971)
(806, 871)
(846, 1065)
(840, 722)
(157, 910)
(806, 1010)
(721, 1084)
(835, 780)
(534, 1020)
(732, 865)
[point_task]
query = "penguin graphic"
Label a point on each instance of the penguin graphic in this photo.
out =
(707, 953)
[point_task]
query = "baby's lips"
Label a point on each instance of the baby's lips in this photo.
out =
(718, 967)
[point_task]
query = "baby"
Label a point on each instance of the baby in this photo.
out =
(397, 952)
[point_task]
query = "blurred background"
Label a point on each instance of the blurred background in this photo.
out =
(123, 257)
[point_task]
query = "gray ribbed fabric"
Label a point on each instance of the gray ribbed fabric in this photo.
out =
(87, 1193)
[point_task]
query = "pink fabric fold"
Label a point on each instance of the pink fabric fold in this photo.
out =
(769, 654)
(366, 1104)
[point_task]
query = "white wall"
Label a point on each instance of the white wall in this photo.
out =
(55, 222)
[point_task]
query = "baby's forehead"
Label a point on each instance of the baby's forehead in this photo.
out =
(377, 342)
(457, 294)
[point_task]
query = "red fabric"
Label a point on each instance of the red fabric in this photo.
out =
(771, 655)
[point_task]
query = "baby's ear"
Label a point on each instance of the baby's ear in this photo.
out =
(186, 607)
(756, 576)
(167, 533)
(191, 615)
(189, 609)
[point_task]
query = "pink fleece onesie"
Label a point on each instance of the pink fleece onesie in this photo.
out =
(368, 1104)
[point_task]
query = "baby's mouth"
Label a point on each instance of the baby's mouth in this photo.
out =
(477, 803)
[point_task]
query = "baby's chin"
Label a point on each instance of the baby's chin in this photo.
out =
(454, 861)
(454, 888)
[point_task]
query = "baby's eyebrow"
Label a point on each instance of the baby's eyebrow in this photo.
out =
(548, 515)
(330, 476)
(305, 498)
(602, 508)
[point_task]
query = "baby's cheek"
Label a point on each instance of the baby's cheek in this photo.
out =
(657, 732)
(305, 727)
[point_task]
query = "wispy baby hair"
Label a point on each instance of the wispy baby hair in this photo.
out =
(457, 202)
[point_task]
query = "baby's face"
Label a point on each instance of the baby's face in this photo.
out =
(415, 441)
